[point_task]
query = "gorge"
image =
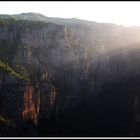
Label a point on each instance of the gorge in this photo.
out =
(68, 77)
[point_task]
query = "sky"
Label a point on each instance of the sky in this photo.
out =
(121, 13)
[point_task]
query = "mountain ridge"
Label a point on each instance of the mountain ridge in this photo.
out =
(40, 17)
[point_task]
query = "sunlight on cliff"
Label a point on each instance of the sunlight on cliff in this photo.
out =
(31, 108)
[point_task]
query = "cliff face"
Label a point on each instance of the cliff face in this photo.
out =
(31, 105)
(48, 70)
(53, 63)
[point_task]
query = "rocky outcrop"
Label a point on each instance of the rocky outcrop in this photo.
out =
(31, 105)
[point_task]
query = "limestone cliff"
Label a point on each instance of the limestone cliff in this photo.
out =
(53, 73)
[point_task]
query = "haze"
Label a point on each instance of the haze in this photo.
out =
(122, 13)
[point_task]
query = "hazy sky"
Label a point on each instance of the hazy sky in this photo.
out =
(125, 13)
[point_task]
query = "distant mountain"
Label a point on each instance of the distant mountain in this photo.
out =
(30, 16)
(40, 17)
(4, 16)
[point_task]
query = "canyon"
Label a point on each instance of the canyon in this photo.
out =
(68, 77)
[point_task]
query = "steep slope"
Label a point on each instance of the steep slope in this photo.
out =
(46, 55)
(57, 75)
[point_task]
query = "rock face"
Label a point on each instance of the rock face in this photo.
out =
(31, 105)
(56, 75)
(53, 64)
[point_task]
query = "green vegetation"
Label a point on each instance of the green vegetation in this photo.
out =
(4, 21)
(5, 67)
(6, 121)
